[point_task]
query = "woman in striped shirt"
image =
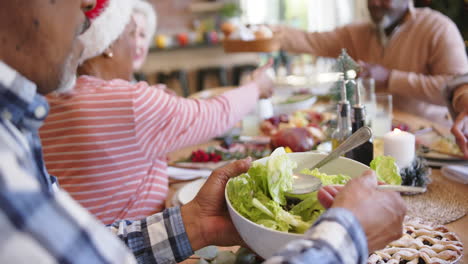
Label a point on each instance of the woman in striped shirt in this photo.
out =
(107, 139)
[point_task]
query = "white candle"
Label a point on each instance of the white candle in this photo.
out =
(401, 145)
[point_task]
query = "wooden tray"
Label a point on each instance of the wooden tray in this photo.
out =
(261, 45)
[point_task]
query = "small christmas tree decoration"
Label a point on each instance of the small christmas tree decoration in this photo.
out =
(349, 69)
(345, 64)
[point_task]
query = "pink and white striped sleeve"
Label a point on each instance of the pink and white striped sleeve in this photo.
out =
(165, 122)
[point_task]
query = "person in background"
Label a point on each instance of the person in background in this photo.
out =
(42, 224)
(410, 52)
(146, 21)
(107, 139)
(457, 95)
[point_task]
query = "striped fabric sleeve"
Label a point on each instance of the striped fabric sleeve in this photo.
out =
(165, 122)
(160, 238)
(337, 237)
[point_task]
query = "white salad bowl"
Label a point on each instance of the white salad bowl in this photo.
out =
(266, 242)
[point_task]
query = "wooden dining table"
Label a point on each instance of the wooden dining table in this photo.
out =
(460, 226)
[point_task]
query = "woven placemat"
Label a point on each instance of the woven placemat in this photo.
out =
(442, 203)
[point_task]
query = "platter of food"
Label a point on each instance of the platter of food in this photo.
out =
(301, 131)
(218, 156)
(432, 145)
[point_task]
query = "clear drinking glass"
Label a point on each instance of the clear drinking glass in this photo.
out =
(250, 125)
(367, 89)
(382, 121)
(264, 109)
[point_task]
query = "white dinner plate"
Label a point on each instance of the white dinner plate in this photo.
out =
(439, 156)
(201, 165)
(427, 139)
(189, 191)
(186, 174)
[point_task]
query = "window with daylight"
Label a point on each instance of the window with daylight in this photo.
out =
(313, 15)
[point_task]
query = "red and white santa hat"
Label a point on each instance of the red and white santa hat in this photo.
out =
(109, 19)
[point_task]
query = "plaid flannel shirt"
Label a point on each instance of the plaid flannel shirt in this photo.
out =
(42, 224)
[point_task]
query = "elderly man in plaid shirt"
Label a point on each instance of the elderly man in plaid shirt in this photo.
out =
(39, 223)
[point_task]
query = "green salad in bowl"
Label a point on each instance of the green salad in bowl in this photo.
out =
(258, 205)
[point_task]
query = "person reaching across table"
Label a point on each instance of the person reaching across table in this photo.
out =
(457, 95)
(107, 138)
(410, 52)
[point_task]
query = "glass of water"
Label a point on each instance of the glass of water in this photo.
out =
(367, 89)
(250, 125)
(382, 120)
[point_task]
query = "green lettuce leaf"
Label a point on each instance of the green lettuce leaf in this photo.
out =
(309, 209)
(295, 222)
(241, 191)
(284, 220)
(250, 202)
(327, 179)
(279, 169)
(259, 194)
(268, 223)
(259, 174)
(386, 169)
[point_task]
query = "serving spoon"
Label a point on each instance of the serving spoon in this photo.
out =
(304, 183)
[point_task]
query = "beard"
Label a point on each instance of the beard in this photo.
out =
(384, 23)
(68, 79)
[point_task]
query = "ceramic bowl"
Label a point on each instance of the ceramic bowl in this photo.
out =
(266, 242)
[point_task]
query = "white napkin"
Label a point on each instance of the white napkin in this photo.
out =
(456, 173)
(186, 174)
